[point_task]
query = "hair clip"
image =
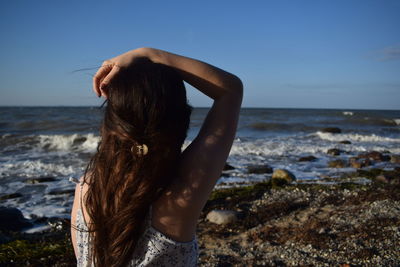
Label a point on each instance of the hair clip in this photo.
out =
(142, 150)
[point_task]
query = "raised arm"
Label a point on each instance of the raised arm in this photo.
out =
(210, 80)
(204, 159)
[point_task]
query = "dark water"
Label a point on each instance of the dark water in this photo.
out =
(58, 141)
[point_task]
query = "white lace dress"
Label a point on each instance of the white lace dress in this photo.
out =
(153, 248)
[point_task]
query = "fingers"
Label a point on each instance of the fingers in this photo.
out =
(100, 75)
(104, 84)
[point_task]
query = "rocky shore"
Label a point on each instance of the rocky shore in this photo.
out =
(272, 223)
(306, 225)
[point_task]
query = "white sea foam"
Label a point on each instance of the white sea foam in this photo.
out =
(80, 142)
(348, 113)
(36, 168)
(58, 156)
(356, 137)
(397, 121)
(276, 147)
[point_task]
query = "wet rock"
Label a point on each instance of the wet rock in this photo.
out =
(10, 196)
(395, 159)
(40, 180)
(337, 164)
(356, 165)
(308, 158)
(389, 177)
(79, 140)
(331, 130)
(259, 169)
(222, 216)
(32, 189)
(60, 192)
(375, 155)
(11, 219)
(334, 152)
(281, 174)
(359, 163)
(228, 167)
(345, 142)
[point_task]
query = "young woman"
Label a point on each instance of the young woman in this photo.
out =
(140, 199)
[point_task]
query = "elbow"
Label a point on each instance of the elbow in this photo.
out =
(237, 86)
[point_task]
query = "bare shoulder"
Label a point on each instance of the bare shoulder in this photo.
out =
(168, 216)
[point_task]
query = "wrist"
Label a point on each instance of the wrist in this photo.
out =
(145, 52)
(154, 55)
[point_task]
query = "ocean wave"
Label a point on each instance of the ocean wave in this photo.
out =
(273, 126)
(284, 147)
(348, 113)
(397, 121)
(80, 142)
(376, 121)
(356, 137)
(29, 168)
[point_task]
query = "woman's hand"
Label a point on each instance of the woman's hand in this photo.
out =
(111, 67)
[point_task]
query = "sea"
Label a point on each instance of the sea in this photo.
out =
(41, 148)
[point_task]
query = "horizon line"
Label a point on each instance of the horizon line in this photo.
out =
(201, 107)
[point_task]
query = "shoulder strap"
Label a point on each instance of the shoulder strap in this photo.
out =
(81, 201)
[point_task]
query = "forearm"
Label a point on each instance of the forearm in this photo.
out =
(210, 80)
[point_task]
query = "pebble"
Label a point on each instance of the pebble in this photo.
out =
(222, 216)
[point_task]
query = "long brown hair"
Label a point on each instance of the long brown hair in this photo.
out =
(146, 105)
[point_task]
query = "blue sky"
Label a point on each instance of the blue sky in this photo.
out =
(307, 54)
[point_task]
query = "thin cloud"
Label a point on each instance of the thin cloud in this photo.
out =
(388, 53)
(341, 85)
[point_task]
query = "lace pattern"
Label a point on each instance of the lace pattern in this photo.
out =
(153, 248)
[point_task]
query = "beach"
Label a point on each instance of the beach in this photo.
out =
(307, 225)
(346, 224)
(337, 204)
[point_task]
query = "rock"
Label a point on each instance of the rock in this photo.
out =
(281, 174)
(60, 192)
(375, 155)
(337, 164)
(222, 216)
(334, 151)
(11, 219)
(308, 158)
(40, 180)
(259, 169)
(356, 165)
(10, 196)
(228, 167)
(395, 181)
(79, 140)
(382, 179)
(395, 159)
(389, 177)
(331, 130)
(359, 163)
(345, 142)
